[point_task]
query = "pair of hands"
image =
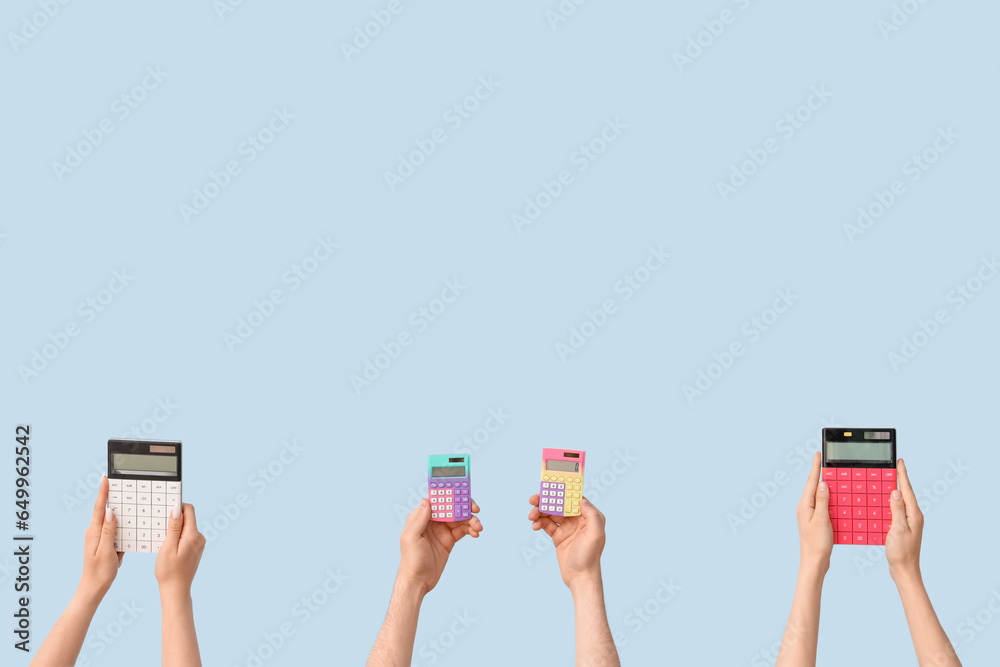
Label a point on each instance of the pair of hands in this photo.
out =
(425, 545)
(902, 544)
(176, 563)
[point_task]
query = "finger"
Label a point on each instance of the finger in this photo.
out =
(121, 554)
(906, 489)
(899, 522)
(534, 514)
(809, 495)
(591, 513)
(822, 500)
(109, 523)
(101, 502)
(545, 523)
(175, 523)
(534, 500)
(189, 523)
(463, 529)
(417, 520)
(475, 508)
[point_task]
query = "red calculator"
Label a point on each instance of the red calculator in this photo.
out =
(860, 467)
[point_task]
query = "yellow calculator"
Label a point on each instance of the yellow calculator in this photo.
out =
(562, 482)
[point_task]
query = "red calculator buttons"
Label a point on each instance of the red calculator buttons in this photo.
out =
(859, 504)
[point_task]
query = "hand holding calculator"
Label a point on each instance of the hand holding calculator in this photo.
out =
(859, 465)
(144, 484)
(562, 482)
(449, 487)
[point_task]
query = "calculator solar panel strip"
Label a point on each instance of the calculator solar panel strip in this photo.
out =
(144, 483)
(859, 464)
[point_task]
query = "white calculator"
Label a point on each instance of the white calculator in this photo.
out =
(144, 478)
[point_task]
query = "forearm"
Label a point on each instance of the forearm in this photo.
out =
(394, 644)
(180, 642)
(595, 646)
(62, 646)
(929, 639)
(798, 644)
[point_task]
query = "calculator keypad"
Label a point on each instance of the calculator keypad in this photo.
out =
(859, 503)
(560, 495)
(142, 509)
(450, 501)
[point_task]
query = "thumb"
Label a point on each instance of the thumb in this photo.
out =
(417, 520)
(823, 500)
(107, 540)
(591, 513)
(174, 524)
(898, 511)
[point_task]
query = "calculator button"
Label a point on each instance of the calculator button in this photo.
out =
(874, 474)
(561, 479)
(114, 485)
(128, 509)
(546, 477)
(859, 488)
(448, 515)
(874, 513)
(128, 485)
(874, 500)
(145, 485)
(173, 499)
(844, 474)
(874, 487)
(859, 473)
(159, 524)
(888, 487)
(159, 487)
(843, 526)
(858, 500)
(874, 526)
(859, 512)
(128, 535)
(859, 538)
(830, 474)
(875, 538)
(859, 526)
(434, 515)
(889, 474)
(845, 538)
(843, 487)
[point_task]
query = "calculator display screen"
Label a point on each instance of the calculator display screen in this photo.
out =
(448, 471)
(563, 466)
(859, 451)
(145, 464)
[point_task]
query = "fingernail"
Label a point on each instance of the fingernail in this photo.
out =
(823, 486)
(175, 511)
(108, 514)
(895, 494)
(423, 504)
(585, 503)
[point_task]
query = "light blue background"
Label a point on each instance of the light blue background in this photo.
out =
(824, 361)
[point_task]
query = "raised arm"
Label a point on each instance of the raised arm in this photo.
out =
(176, 564)
(424, 549)
(579, 541)
(902, 551)
(798, 644)
(100, 566)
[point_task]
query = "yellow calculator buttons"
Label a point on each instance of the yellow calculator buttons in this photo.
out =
(546, 477)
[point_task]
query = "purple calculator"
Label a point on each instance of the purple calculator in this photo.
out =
(449, 488)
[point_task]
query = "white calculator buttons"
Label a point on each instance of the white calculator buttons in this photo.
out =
(128, 485)
(434, 515)
(114, 485)
(173, 499)
(434, 492)
(159, 487)
(173, 487)
(448, 515)
(145, 485)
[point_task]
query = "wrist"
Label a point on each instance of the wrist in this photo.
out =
(585, 583)
(408, 587)
(89, 597)
(907, 577)
(814, 568)
(175, 592)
